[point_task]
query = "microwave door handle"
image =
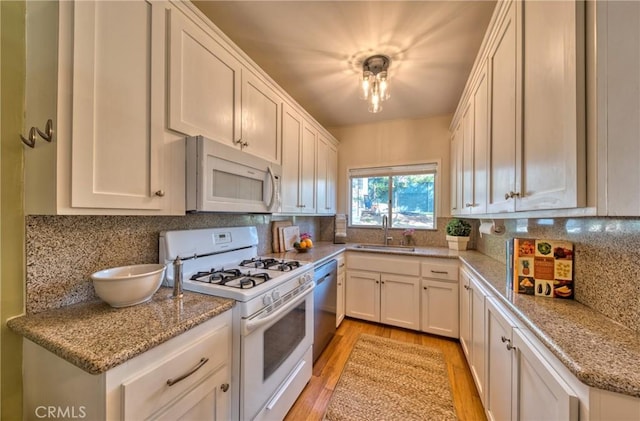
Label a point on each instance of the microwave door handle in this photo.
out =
(272, 177)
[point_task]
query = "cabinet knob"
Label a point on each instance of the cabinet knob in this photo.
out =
(159, 193)
(511, 195)
(377, 282)
(425, 288)
(224, 387)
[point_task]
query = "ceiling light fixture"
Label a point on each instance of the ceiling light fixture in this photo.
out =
(374, 83)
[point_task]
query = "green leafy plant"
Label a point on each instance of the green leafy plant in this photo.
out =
(458, 228)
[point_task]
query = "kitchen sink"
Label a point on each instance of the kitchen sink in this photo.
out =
(383, 247)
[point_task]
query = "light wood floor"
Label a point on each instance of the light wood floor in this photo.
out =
(313, 401)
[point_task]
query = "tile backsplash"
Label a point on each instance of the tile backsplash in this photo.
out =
(63, 251)
(607, 252)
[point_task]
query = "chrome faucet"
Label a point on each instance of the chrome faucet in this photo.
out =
(385, 227)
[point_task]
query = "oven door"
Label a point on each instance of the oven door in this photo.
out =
(276, 356)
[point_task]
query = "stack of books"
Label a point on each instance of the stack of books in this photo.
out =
(540, 267)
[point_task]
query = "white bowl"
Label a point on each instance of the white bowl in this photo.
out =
(128, 285)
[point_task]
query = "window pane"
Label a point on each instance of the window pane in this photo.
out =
(413, 201)
(369, 198)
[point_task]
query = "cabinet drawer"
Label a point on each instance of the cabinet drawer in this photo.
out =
(378, 262)
(446, 269)
(146, 393)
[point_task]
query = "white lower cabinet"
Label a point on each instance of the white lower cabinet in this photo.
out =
(341, 289)
(521, 384)
(439, 297)
(384, 288)
(472, 328)
(186, 378)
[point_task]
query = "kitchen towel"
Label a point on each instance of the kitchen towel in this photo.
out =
(340, 232)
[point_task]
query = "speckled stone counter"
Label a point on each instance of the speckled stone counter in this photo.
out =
(324, 250)
(97, 337)
(597, 350)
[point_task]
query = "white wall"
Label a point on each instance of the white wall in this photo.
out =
(395, 142)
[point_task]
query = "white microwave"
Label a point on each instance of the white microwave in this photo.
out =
(221, 178)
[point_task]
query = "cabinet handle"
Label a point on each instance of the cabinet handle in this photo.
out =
(341, 265)
(467, 287)
(468, 205)
(224, 387)
(159, 193)
(503, 339)
(425, 288)
(198, 366)
(441, 272)
(511, 195)
(510, 347)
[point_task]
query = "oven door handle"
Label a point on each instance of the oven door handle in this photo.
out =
(250, 325)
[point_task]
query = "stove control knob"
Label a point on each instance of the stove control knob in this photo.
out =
(276, 295)
(302, 280)
(266, 300)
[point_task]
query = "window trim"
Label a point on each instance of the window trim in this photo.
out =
(426, 167)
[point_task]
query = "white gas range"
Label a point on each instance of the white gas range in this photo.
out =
(273, 317)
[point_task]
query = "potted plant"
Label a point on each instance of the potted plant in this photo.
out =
(458, 231)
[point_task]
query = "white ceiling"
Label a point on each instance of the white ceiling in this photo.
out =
(314, 50)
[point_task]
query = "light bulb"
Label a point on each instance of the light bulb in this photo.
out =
(365, 85)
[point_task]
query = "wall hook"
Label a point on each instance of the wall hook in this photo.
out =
(31, 141)
(48, 131)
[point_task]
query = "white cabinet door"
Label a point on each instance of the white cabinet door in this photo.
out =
(439, 308)
(261, 118)
(326, 175)
(291, 149)
(550, 170)
(465, 314)
(210, 400)
(478, 336)
(308, 168)
(456, 171)
(467, 158)
(400, 301)
(500, 357)
(540, 392)
(204, 83)
(118, 105)
(341, 290)
(299, 139)
(504, 113)
(480, 143)
(363, 295)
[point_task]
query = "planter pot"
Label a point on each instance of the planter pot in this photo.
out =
(457, 243)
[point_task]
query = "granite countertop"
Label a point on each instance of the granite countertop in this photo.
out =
(96, 337)
(325, 250)
(600, 352)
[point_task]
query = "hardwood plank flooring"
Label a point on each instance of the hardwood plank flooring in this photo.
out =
(312, 403)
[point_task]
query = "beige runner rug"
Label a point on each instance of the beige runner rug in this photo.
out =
(388, 380)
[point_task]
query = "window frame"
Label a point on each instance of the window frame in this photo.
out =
(389, 171)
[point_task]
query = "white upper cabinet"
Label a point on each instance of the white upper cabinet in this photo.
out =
(204, 84)
(326, 174)
(550, 164)
(534, 119)
(104, 92)
(504, 115)
(456, 170)
(298, 163)
(261, 118)
(614, 114)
